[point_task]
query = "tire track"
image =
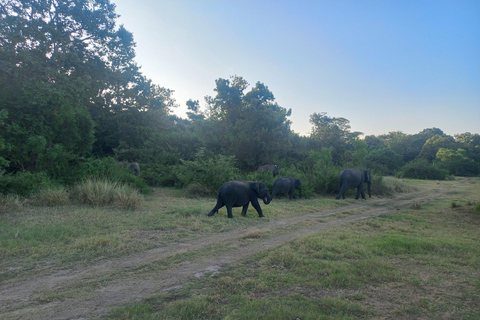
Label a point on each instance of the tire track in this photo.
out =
(124, 282)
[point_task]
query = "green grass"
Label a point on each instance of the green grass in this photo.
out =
(416, 262)
(409, 264)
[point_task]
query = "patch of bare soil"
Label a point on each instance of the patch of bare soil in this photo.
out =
(89, 292)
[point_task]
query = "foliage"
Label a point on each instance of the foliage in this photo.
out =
(73, 98)
(102, 192)
(457, 162)
(50, 197)
(384, 160)
(251, 126)
(210, 172)
(9, 202)
(432, 145)
(331, 132)
(421, 169)
(25, 183)
(319, 174)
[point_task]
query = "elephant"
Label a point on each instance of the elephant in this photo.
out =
(354, 178)
(287, 185)
(269, 167)
(239, 193)
(133, 166)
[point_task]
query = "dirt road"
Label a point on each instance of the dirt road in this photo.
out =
(88, 293)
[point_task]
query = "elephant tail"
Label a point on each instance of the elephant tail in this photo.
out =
(215, 209)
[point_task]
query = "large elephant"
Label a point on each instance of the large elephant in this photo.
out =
(238, 193)
(287, 185)
(354, 178)
(269, 167)
(133, 166)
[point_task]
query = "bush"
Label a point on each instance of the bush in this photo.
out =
(388, 185)
(9, 202)
(102, 192)
(50, 197)
(319, 174)
(209, 172)
(421, 169)
(25, 183)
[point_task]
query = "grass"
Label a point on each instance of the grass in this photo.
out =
(416, 262)
(419, 262)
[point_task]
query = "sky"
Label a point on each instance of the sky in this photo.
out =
(385, 65)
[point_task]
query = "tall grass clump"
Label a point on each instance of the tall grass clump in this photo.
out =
(103, 192)
(9, 202)
(95, 192)
(388, 185)
(50, 197)
(128, 198)
(209, 172)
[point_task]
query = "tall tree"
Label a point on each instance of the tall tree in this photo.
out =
(68, 69)
(333, 132)
(251, 126)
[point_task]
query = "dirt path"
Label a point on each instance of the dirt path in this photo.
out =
(88, 293)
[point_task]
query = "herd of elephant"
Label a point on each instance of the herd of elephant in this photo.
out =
(239, 193)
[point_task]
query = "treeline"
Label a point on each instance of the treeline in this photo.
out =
(73, 100)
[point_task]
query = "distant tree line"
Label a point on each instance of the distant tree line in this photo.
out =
(72, 98)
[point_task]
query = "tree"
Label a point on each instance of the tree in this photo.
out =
(458, 162)
(70, 83)
(251, 126)
(432, 145)
(333, 132)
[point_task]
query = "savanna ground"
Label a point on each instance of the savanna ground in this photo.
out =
(414, 255)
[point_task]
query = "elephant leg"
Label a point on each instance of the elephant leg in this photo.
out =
(229, 211)
(341, 194)
(292, 194)
(363, 194)
(256, 205)
(359, 190)
(245, 208)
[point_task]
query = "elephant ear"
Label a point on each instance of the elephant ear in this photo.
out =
(368, 176)
(256, 187)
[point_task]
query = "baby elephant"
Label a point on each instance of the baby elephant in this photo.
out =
(238, 193)
(287, 185)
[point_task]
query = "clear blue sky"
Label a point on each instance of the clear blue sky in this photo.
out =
(385, 65)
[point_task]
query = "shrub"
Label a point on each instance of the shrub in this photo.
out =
(209, 172)
(127, 198)
(320, 175)
(25, 183)
(102, 192)
(388, 185)
(9, 202)
(50, 197)
(421, 169)
(197, 189)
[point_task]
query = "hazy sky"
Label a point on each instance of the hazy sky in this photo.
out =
(385, 65)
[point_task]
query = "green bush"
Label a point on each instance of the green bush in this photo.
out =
(25, 183)
(319, 174)
(210, 172)
(421, 169)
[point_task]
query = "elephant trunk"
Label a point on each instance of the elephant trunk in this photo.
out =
(300, 193)
(267, 199)
(369, 188)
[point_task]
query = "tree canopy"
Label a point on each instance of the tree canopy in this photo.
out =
(71, 93)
